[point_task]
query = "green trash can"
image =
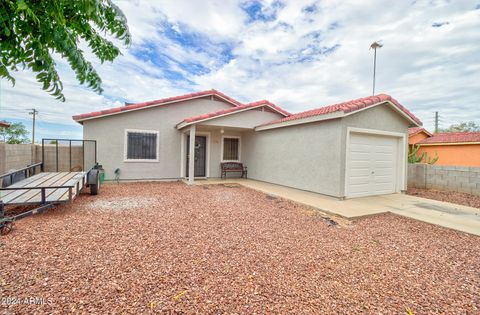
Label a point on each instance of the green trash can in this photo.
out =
(101, 173)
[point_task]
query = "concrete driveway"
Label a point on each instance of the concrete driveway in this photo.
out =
(458, 217)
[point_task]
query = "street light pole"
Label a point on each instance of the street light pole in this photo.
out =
(34, 112)
(374, 46)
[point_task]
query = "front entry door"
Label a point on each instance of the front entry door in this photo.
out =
(200, 155)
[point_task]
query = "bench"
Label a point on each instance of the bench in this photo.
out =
(233, 167)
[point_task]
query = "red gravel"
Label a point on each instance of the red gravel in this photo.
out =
(448, 196)
(215, 249)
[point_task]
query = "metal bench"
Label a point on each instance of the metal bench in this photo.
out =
(233, 167)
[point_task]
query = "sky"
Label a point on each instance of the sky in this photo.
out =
(297, 54)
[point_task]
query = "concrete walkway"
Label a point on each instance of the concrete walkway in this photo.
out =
(461, 218)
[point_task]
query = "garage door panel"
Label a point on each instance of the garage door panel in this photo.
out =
(358, 190)
(360, 165)
(383, 190)
(359, 180)
(384, 172)
(360, 172)
(360, 156)
(358, 148)
(372, 165)
(383, 179)
(383, 156)
(383, 164)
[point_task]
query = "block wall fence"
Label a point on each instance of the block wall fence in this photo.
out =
(448, 178)
(17, 156)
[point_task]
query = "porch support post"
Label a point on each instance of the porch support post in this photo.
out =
(191, 155)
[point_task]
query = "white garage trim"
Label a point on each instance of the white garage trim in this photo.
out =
(402, 156)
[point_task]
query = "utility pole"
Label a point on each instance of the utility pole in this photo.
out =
(374, 46)
(436, 122)
(34, 112)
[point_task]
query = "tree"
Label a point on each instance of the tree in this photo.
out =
(14, 134)
(31, 31)
(464, 126)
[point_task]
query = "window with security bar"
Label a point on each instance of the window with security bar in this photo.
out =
(231, 149)
(142, 146)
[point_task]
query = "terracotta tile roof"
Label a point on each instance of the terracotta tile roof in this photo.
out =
(347, 107)
(157, 102)
(236, 109)
(452, 137)
(3, 124)
(413, 131)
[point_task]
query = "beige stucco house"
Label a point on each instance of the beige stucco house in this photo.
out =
(351, 149)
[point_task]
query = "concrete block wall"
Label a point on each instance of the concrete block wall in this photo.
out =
(63, 158)
(448, 178)
(17, 156)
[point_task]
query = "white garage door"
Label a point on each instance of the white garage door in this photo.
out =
(372, 165)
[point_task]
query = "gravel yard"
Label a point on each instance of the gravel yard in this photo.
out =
(448, 196)
(169, 247)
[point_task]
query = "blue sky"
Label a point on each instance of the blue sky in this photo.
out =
(298, 54)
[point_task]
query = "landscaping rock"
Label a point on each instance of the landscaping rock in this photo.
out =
(175, 248)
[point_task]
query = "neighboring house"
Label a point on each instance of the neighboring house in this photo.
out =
(453, 148)
(417, 134)
(351, 149)
(3, 124)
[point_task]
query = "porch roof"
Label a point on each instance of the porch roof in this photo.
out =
(231, 111)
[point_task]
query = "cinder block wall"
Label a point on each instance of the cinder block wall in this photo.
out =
(64, 163)
(448, 178)
(17, 156)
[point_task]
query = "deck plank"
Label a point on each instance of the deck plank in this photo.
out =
(35, 183)
(22, 183)
(56, 180)
(21, 196)
(61, 194)
(51, 193)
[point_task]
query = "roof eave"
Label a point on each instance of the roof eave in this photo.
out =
(401, 112)
(447, 143)
(300, 121)
(159, 104)
(334, 115)
(184, 124)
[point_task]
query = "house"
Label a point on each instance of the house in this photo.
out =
(4, 124)
(452, 148)
(351, 149)
(417, 134)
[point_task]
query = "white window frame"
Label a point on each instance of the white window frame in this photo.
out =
(125, 146)
(239, 148)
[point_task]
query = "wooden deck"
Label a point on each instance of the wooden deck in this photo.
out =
(47, 179)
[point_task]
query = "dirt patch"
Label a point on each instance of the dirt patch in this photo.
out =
(184, 249)
(120, 204)
(448, 196)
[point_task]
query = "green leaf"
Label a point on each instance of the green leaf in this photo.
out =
(33, 30)
(21, 5)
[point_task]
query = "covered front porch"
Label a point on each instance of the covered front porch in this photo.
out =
(204, 148)
(224, 136)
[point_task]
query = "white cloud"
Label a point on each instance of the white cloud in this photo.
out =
(283, 58)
